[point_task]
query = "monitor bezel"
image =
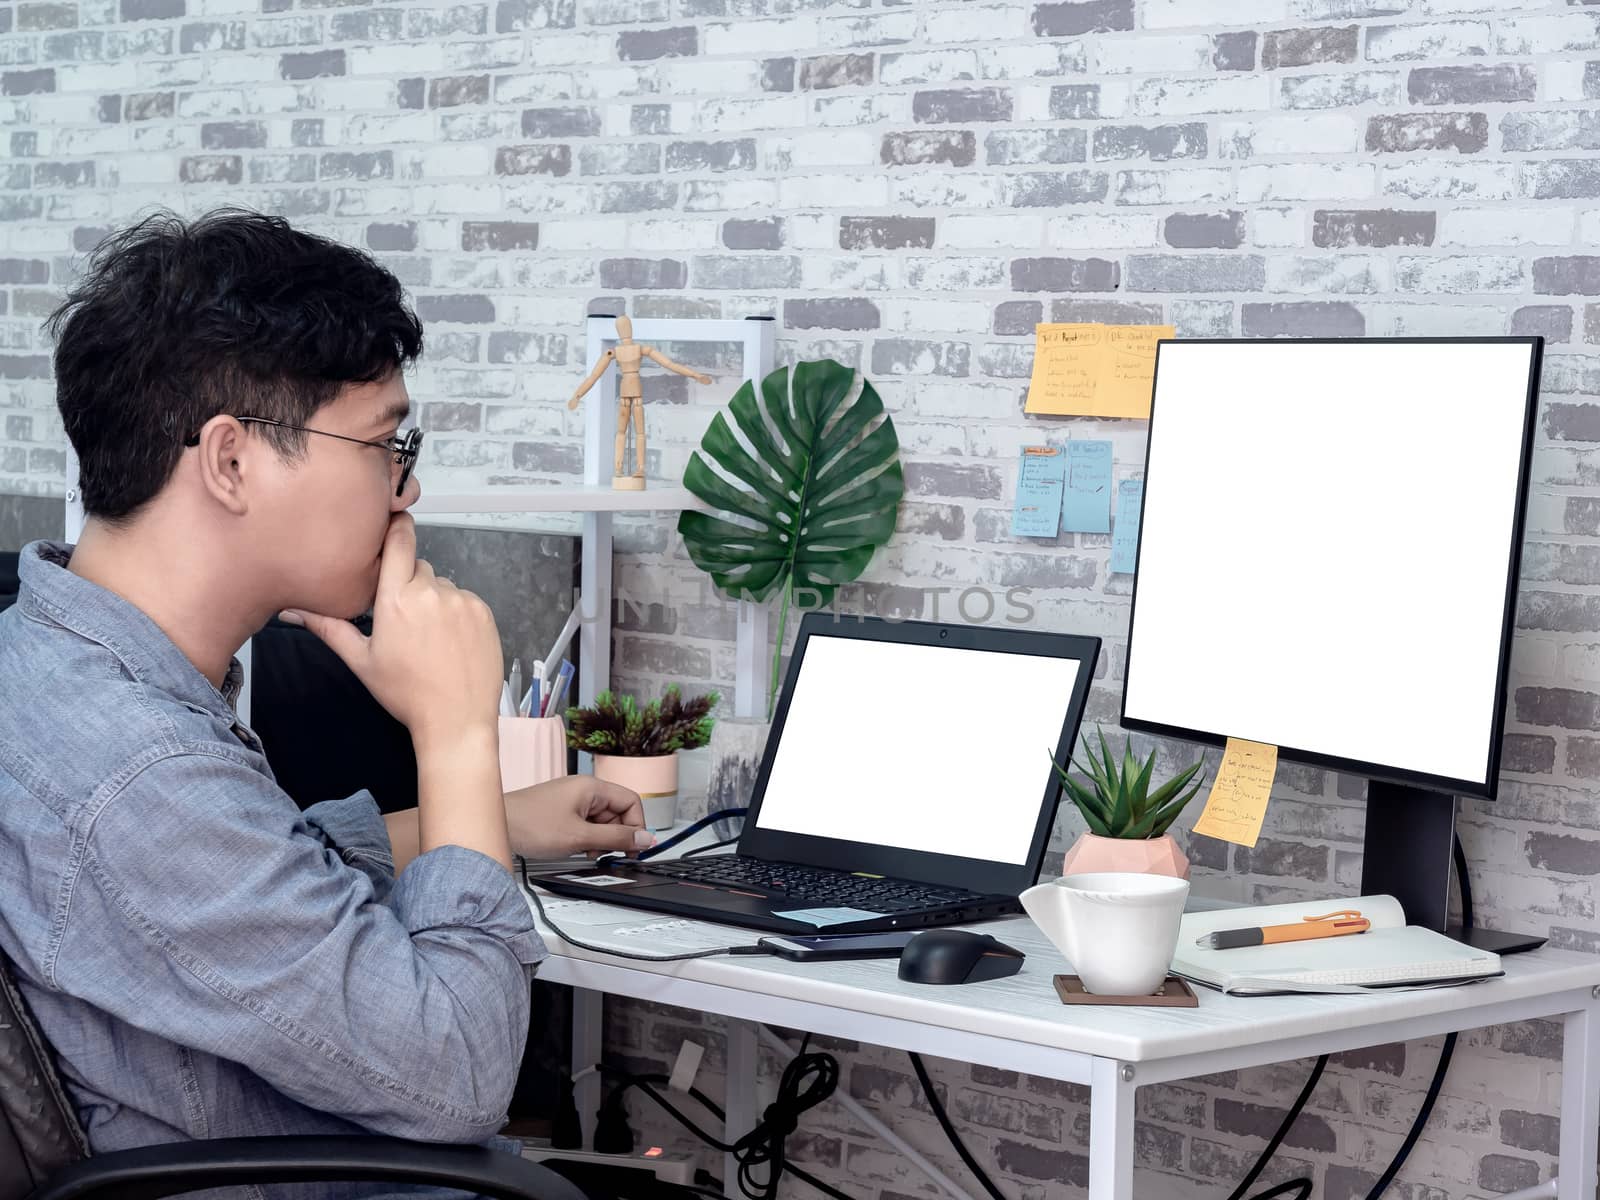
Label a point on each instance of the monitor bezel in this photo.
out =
(979, 875)
(1486, 788)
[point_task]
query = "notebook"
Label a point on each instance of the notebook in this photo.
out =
(1390, 955)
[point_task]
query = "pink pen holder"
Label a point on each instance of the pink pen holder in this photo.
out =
(532, 750)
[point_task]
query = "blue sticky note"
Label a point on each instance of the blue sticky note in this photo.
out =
(1040, 479)
(1125, 538)
(1086, 500)
(823, 917)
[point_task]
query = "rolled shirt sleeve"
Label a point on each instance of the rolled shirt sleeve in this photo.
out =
(354, 829)
(255, 935)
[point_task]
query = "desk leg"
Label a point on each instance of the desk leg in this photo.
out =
(1580, 1105)
(1111, 1091)
(588, 1034)
(744, 1066)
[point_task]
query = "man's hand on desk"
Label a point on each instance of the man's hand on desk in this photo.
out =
(574, 815)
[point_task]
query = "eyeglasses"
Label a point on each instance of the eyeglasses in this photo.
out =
(405, 449)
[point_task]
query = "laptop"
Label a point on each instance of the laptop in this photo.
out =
(906, 782)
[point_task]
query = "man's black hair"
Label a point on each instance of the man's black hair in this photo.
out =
(234, 312)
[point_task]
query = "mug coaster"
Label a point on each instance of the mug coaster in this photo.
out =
(1174, 993)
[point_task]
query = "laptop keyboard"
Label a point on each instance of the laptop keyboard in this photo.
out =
(809, 886)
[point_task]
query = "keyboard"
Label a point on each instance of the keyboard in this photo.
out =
(810, 886)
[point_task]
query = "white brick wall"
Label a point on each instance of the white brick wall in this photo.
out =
(869, 173)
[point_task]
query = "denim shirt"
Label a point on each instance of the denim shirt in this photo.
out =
(206, 959)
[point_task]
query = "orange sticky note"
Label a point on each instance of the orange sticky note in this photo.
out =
(1094, 370)
(1239, 794)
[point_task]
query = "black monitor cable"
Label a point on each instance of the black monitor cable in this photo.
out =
(1301, 1187)
(932, 1097)
(1446, 1052)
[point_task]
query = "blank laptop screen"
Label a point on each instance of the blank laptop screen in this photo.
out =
(932, 748)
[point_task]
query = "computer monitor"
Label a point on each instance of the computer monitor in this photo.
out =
(1327, 562)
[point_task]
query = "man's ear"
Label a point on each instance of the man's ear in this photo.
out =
(222, 446)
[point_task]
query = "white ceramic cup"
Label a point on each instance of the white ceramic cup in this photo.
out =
(1118, 929)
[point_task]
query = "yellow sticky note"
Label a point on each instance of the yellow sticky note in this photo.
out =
(1239, 795)
(1130, 369)
(1094, 370)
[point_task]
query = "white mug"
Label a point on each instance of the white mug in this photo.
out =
(1118, 929)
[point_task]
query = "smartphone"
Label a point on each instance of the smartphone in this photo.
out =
(839, 945)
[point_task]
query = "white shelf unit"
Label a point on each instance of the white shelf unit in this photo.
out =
(757, 336)
(580, 498)
(598, 501)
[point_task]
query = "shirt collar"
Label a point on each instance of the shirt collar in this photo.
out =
(51, 591)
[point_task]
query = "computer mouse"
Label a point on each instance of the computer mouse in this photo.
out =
(957, 956)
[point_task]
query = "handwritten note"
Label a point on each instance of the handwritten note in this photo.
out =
(1086, 500)
(1238, 799)
(1131, 351)
(1125, 537)
(1040, 479)
(1094, 370)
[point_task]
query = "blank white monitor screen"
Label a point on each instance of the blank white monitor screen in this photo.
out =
(942, 749)
(1325, 547)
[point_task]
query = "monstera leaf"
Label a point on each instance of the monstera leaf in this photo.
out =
(822, 484)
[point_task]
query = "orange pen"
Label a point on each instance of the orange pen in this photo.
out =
(1336, 924)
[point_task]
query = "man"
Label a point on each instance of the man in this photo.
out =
(207, 960)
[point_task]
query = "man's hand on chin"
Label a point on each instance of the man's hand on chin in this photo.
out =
(575, 815)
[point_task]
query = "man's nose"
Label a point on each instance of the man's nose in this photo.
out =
(409, 494)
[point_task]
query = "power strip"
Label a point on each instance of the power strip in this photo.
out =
(665, 1165)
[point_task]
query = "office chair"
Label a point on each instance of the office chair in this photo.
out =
(44, 1153)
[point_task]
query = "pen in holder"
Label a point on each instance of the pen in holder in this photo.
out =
(532, 750)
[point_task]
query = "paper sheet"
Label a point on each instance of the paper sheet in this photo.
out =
(1086, 499)
(1125, 537)
(1041, 475)
(1094, 370)
(1238, 800)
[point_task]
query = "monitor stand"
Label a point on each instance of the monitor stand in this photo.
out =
(1408, 854)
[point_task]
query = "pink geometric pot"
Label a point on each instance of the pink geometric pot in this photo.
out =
(1147, 856)
(655, 779)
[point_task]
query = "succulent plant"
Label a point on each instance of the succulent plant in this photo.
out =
(1120, 804)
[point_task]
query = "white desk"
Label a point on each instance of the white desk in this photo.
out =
(1018, 1024)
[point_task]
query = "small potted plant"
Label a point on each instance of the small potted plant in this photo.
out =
(638, 746)
(1127, 821)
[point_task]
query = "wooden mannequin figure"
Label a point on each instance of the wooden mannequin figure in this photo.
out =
(628, 356)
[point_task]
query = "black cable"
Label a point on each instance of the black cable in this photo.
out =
(1302, 1184)
(1446, 1052)
(692, 829)
(1464, 883)
(572, 941)
(764, 1144)
(708, 849)
(613, 1101)
(808, 1079)
(949, 1130)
